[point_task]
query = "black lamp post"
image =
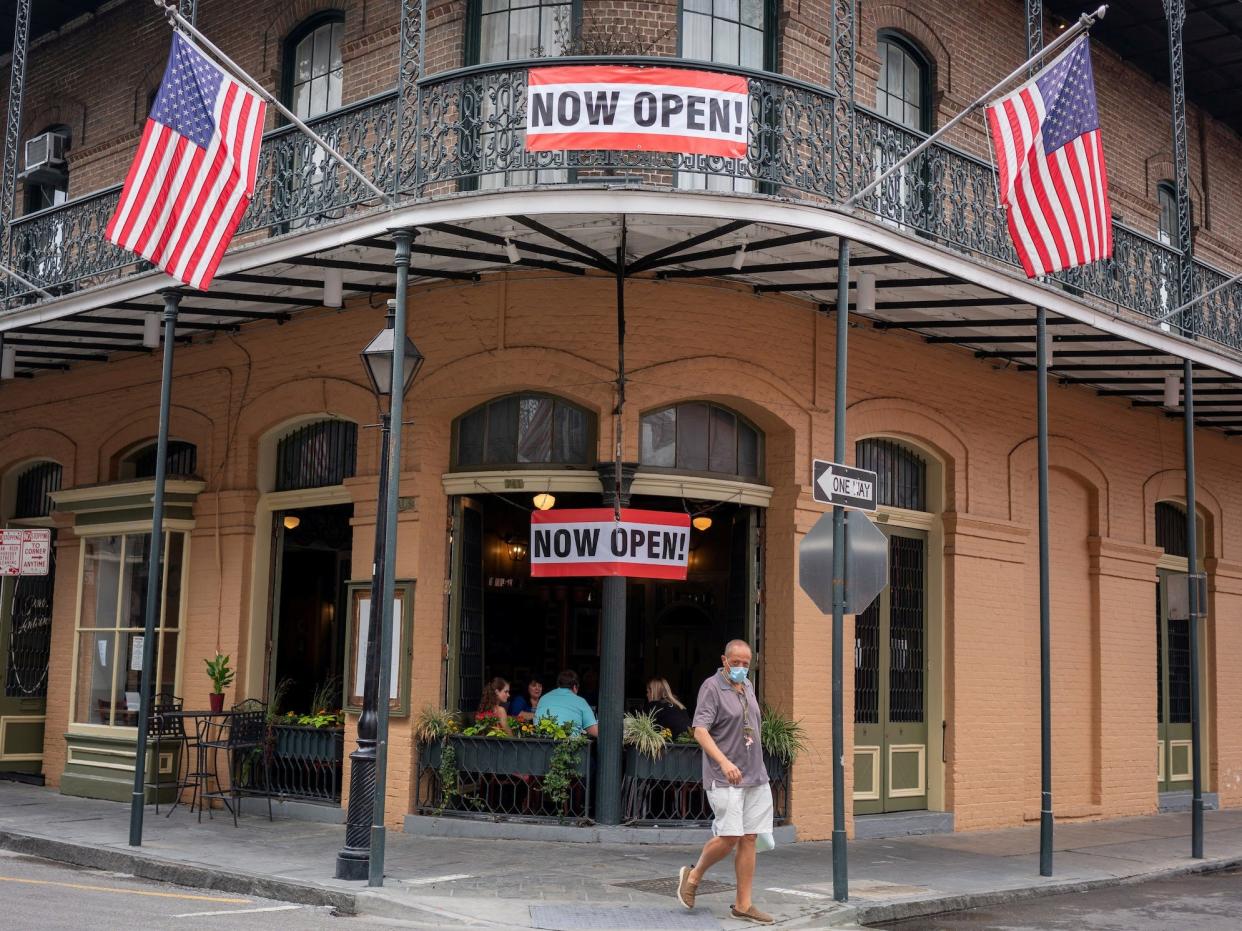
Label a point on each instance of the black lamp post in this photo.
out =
(353, 862)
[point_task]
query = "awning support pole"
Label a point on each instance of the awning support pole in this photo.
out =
(172, 299)
(1045, 620)
(840, 872)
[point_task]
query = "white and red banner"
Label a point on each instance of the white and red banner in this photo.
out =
(25, 552)
(637, 109)
(590, 541)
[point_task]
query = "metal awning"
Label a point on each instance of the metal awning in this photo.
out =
(942, 298)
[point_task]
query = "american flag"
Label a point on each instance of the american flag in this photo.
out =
(194, 173)
(1046, 135)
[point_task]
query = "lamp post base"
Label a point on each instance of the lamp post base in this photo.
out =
(353, 864)
(354, 859)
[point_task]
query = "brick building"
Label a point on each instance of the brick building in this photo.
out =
(729, 277)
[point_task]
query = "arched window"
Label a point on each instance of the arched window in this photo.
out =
(1171, 529)
(1166, 222)
(312, 84)
(33, 486)
(901, 473)
(729, 32)
(140, 463)
(321, 453)
(701, 437)
(524, 430)
(45, 168)
(903, 88)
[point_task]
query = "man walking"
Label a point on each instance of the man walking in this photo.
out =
(726, 725)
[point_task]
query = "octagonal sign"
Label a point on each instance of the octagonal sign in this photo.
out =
(866, 562)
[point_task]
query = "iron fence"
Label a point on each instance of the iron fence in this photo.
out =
(669, 790)
(503, 778)
(467, 133)
(305, 762)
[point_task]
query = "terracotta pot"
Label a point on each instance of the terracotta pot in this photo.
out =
(216, 700)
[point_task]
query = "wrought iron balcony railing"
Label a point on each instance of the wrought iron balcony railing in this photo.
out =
(467, 134)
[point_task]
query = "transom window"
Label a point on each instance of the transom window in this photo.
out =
(507, 30)
(112, 604)
(901, 90)
(727, 32)
(701, 437)
(313, 83)
(182, 460)
(524, 430)
(901, 473)
(33, 486)
(1171, 529)
(321, 453)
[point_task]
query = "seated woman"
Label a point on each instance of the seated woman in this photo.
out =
(492, 704)
(523, 707)
(668, 711)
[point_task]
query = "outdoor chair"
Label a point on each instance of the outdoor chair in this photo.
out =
(243, 737)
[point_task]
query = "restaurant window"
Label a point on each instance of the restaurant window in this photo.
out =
(313, 66)
(901, 473)
(112, 602)
(701, 437)
(524, 430)
(182, 461)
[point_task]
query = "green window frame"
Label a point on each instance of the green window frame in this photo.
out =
(740, 33)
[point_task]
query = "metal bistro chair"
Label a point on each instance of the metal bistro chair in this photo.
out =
(243, 738)
(167, 728)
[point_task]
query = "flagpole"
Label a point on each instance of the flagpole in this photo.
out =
(1084, 23)
(179, 21)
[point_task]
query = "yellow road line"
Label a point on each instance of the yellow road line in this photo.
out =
(154, 895)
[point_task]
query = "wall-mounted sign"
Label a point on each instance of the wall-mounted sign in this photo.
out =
(356, 661)
(637, 109)
(25, 552)
(590, 541)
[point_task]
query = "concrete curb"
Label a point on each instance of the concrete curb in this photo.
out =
(182, 874)
(922, 908)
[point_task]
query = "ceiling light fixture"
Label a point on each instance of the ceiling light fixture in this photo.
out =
(1048, 346)
(292, 522)
(702, 522)
(151, 330)
(512, 251)
(545, 500)
(1172, 390)
(739, 257)
(865, 301)
(8, 362)
(333, 287)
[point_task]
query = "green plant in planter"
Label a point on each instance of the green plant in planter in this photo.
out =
(434, 723)
(640, 731)
(219, 673)
(558, 782)
(781, 736)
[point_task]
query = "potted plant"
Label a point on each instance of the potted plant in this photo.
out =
(221, 677)
(783, 740)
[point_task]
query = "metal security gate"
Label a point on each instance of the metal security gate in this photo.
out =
(890, 685)
(1173, 744)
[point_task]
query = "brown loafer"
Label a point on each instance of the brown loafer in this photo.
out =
(687, 889)
(752, 914)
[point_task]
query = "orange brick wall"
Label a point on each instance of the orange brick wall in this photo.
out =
(771, 358)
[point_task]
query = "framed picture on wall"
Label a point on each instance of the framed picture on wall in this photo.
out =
(359, 594)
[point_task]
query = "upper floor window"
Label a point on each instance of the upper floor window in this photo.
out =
(901, 473)
(45, 171)
(701, 437)
(508, 30)
(321, 453)
(313, 65)
(1166, 223)
(902, 90)
(524, 430)
(1171, 529)
(182, 460)
(728, 32)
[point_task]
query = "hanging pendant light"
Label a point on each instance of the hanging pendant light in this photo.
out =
(545, 500)
(702, 522)
(292, 522)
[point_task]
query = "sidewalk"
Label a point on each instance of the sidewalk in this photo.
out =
(446, 883)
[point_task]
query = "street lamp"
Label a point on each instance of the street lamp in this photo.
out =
(353, 862)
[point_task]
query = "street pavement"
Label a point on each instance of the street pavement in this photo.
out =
(445, 882)
(1207, 902)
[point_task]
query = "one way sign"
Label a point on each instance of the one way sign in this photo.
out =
(845, 486)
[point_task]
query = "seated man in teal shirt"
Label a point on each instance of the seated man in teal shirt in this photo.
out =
(563, 704)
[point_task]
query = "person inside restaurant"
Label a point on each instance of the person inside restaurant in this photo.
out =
(664, 706)
(492, 704)
(563, 704)
(523, 707)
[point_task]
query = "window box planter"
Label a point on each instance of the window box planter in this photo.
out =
(305, 762)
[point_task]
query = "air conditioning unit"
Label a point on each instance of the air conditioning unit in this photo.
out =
(45, 157)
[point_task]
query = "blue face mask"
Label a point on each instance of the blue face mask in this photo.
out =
(738, 673)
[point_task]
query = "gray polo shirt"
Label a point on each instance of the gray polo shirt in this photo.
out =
(720, 709)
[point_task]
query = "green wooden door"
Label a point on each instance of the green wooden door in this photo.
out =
(1173, 768)
(25, 645)
(890, 679)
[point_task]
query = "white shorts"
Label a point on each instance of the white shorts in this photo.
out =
(740, 810)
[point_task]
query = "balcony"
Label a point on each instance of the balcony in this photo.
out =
(466, 135)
